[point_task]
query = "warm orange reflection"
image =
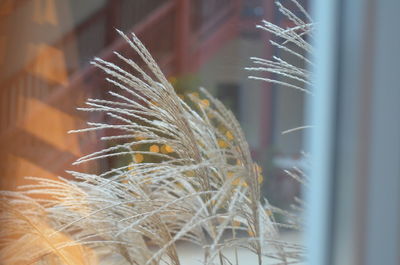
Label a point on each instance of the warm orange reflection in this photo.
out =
(33, 240)
(6, 7)
(73, 253)
(50, 119)
(49, 63)
(45, 12)
(25, 167)
(3, 47)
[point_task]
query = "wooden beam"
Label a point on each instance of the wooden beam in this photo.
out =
(182, 35)
(113, 16)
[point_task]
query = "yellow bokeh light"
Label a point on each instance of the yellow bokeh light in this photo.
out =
(140, 138)
(154, 148)
(229, 135)
(138, 158)
(166, 149)
(222, 144)
(205, 102)
(169, 149)
(239, 182)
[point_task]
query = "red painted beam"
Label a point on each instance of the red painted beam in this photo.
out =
(182, 35)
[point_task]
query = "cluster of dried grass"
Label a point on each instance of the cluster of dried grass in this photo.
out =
(204, 187)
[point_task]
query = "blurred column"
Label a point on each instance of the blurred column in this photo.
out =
(354, 197)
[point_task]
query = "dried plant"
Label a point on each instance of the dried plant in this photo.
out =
(202, 188)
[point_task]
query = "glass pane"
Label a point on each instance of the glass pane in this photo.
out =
(46, 47)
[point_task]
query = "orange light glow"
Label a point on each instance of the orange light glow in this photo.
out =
(49, 63)
(6, 7)
(154, 148)
(3, 47)
(45, 12)
(50, 125)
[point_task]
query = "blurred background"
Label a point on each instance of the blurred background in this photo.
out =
(46, 47)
